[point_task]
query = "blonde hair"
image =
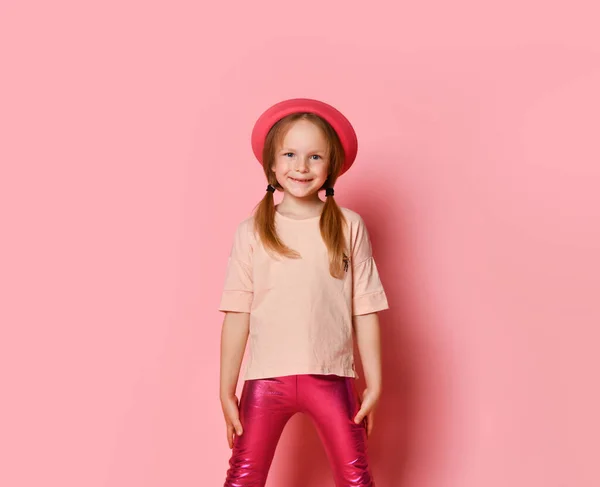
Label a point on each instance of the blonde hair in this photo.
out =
(332, 221)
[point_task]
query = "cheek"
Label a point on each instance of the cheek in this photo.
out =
(322, 171)
(280, 166)
(280, 170)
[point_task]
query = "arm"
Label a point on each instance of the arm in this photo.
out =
(368, 340)
(236, 302)
(368, 299)
(234, 335)
(369, 347)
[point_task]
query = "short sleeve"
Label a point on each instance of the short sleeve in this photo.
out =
(368, 295)
(238, 292)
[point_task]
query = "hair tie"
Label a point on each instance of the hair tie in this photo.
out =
(329, 192)
(271, 188)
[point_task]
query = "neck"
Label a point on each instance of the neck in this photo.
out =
(300, 206)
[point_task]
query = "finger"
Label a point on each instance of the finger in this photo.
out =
(369, 425)
(230, 436)
(365, 409)
(360, 416)
(238, 428)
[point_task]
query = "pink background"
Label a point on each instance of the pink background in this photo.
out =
(126, 165)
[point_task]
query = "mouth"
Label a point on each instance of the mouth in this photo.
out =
(302, 181)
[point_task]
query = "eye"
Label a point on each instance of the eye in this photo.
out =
(288, 154)
(316, 155)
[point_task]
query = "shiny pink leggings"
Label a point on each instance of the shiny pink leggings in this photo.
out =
(330, 401)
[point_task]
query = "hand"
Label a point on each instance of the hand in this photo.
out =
(231, 412)
(367, 408)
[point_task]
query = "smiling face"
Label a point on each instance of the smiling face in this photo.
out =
(301, 162)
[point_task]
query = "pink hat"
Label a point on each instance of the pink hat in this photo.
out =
(340, 124)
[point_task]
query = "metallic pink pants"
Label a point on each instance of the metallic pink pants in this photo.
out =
(330, 401)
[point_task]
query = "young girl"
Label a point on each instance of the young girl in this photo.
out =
(301, 280)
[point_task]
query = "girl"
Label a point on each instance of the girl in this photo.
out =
(300, 281)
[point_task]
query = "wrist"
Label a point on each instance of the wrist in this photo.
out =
(374, 389)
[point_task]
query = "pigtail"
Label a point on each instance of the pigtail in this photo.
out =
(332, 226)
(264, 223)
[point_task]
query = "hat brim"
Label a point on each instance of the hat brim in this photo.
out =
(336, 119)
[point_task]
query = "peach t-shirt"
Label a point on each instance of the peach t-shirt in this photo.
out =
(301, 316)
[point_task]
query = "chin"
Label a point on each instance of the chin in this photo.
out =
(304, 193)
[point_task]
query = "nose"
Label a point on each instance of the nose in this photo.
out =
(301, 165)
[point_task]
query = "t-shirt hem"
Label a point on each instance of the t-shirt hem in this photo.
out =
(340, 371)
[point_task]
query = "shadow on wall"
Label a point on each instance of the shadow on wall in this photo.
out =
(392, 446)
